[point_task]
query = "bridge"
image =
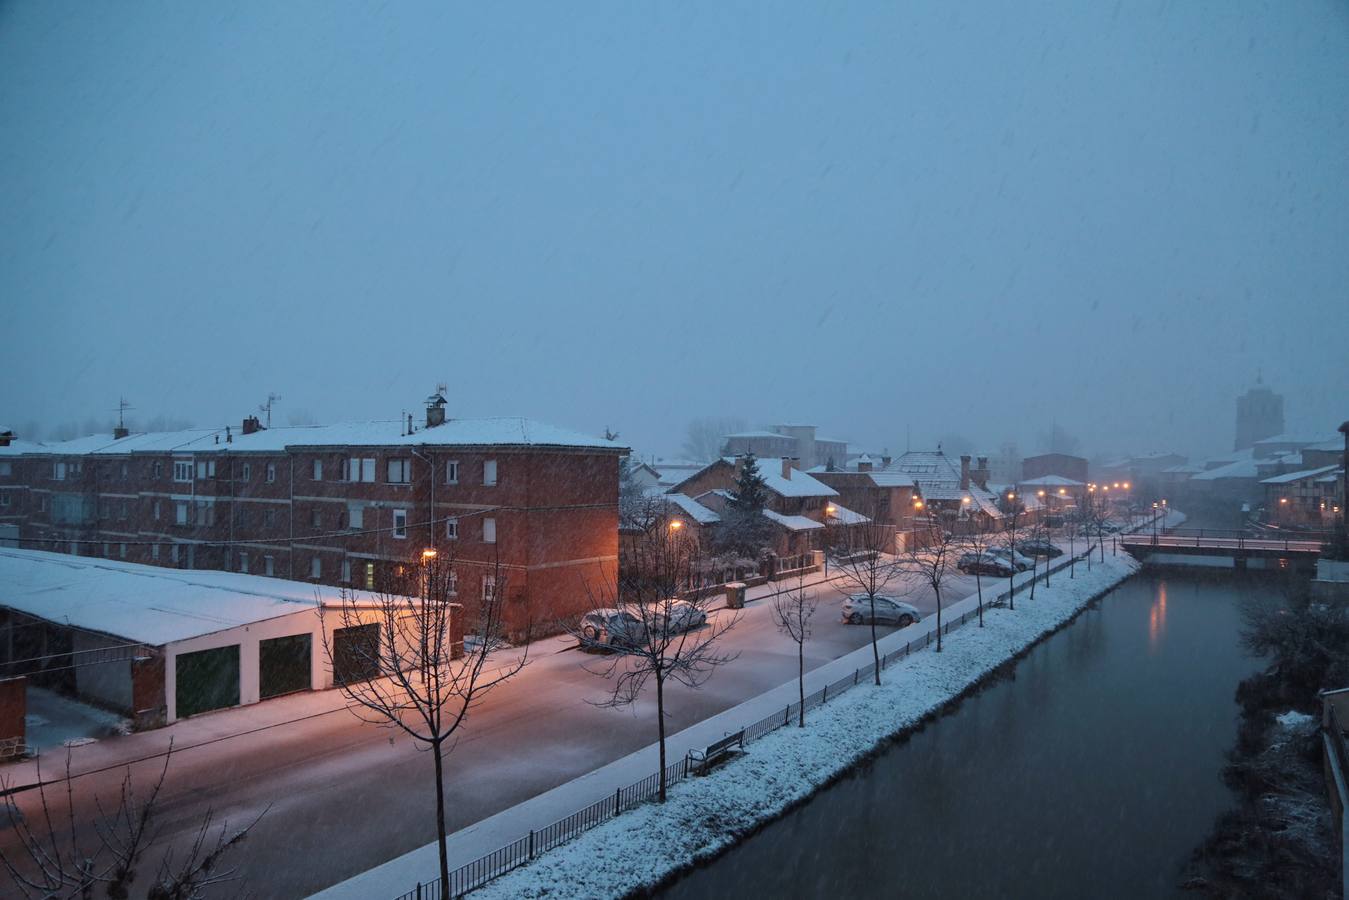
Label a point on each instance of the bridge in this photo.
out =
(1237, 545)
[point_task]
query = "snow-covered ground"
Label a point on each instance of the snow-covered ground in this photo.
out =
(53, 720)
(704, 815)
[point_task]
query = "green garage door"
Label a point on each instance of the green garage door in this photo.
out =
(283, 665)
(207, 679)
(355, 653)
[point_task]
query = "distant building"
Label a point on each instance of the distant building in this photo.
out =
(1064, 465)
(1259, 415)
(798, 442)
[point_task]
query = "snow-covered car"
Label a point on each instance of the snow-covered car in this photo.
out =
(611, 628)
(1038, 548)
(984, 564)
(1022, 563)
(682, 616)
(889, 611)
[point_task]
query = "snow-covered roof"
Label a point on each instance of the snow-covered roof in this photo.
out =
(792, 523)
(693, 509)
(151, 605)
(760, 434)
(19, 447)
(494, 432)
(1290, 477)
(1051, 481)
(799, 485)
(1242, 468)
(845, 516)
(1301, 440)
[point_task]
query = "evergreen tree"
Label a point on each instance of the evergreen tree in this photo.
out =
(744, 530)
(751, 491)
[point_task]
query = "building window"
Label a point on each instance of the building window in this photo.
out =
(316, 568)
(58, 471)
(452, 471)
(182, 470)
(268, 517)
(4, 499)
(489, 531)
(122, 511)
(205, 513)
(356, 515)
(154, 510)
(489, 471)
(180, 513)
(369, 576)
(121, 550)
(124, 472)
(315, 518)
(271, 472)
(154, 552)
(400, 523)
(452, 529)
(360, 469)
(248, 471)
(489, 588)
(346, 571)
(159, 470)
(173, 554)
(452, 584)
(243, 562)
(42, 503)
(6, 469)
(107, 549)
(400, 471)
(318, 470)
(269, 565)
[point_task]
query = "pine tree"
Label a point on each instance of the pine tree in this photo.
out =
(751, 491)
(744, 530)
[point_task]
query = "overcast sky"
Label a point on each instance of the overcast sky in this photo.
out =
(974, 219)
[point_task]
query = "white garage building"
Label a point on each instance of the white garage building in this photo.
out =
(160, 644)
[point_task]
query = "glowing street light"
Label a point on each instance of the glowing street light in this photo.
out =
(676, 524)
(830, 510)
(429, 554)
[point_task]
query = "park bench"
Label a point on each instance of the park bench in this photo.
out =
(725, 748)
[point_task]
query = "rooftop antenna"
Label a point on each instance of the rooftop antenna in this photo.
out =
(272, 400)
(122, 407)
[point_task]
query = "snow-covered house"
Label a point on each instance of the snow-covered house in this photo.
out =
(159, 644)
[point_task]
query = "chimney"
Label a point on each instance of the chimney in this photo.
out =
(787, 467)
(864, 464)
(435, 410)
(885, 462)
(409, 431)
(119, 432)
(964, 471)
(980, 474)
(251, 425)
(5, 437)
(229, 436)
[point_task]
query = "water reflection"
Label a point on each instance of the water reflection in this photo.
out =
(1093, 772)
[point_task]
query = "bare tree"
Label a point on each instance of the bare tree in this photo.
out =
(792, 611)
(980, 538)
(1013, 508)
(863, 558)
(930, 565)
(403, 667)
(655, 624)
(1096, 515)
(73, 856)
(707, 435)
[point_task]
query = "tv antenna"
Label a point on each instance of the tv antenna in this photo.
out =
(122, 407)
(272, 400)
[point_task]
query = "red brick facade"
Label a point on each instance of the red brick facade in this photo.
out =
(297, 513)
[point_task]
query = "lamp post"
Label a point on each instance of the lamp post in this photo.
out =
(1154, 522)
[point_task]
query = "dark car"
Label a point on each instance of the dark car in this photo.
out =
(984, 564)
(1038, 548)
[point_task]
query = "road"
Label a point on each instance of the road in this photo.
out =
(341, 796)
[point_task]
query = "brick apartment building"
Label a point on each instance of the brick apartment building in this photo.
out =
(342, 505)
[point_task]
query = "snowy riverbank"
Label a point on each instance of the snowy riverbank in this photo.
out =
(643, 846)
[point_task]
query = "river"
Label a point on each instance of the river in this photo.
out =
(1093, 770)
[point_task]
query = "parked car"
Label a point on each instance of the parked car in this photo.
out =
(1038, 548)
(889, 611)
(1022, 563)
(985, 564)
(611, 628)
(683, 616)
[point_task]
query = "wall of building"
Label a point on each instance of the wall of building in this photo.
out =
(106, 684)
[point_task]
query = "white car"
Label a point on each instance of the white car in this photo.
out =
(683, 616)
(1021, 563)
(889, 611)
(611, 628)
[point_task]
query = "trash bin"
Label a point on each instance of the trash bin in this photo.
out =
(735, 595)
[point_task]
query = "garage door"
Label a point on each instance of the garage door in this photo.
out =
(207, 679)
(283, 665)
(355, 653)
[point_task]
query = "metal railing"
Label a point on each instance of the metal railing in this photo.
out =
(482, 870)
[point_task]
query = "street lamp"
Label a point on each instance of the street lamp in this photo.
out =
(429, 554)
(676, 524)
(1154, 522)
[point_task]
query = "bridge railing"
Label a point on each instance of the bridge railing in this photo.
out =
(1227, 538)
